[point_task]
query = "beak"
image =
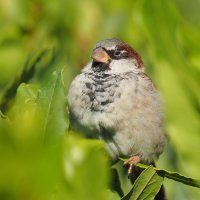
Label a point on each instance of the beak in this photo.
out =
(100, 55)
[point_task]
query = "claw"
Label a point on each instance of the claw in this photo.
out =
(132, 161)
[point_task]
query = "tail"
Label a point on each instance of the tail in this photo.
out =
(161, 194)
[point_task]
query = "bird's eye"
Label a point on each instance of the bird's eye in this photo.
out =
(117, 53)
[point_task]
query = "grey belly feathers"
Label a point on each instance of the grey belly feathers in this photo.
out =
(123, 110)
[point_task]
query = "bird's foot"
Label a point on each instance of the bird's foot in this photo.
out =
(132, 161)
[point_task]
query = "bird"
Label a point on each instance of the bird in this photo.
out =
(114, 100)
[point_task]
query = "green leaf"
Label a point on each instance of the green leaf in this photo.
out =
(36, 113)
(146, 185)
(52, 101)
(24, 76)
(112, 195)
(86, 171)
(174, 176)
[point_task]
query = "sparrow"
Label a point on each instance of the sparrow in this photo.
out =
(112, 99)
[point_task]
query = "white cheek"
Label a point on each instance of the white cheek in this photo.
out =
(88, 67)
(123, 65)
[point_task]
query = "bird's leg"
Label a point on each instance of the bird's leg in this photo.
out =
(132, 161)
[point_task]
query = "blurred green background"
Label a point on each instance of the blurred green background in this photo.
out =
(38, 158)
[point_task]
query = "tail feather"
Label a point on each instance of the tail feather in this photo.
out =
(161, 194)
